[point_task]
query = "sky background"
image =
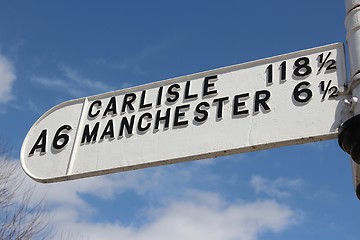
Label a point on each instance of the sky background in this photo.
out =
(51, 52)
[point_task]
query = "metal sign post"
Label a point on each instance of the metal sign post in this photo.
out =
(349, 133)
(283, 100)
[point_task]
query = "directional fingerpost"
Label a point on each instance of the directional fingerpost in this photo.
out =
(263, 104)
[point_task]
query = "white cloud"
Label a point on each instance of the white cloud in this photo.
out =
(193, 219)
(73, 83)
(7, 78)
(190, 214)
(157, 181)
(50, 82)
(280, 187)
(59, 85)
(76, 77)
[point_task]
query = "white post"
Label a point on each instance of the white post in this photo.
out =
(349, 132)
(352, 23)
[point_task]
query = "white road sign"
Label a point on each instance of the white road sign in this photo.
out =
(288, 99)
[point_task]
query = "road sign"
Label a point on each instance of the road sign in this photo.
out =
(288, 99)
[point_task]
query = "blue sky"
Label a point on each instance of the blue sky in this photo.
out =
(52, 52)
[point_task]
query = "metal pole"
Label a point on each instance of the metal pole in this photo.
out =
(352, 23)
(349, 132)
